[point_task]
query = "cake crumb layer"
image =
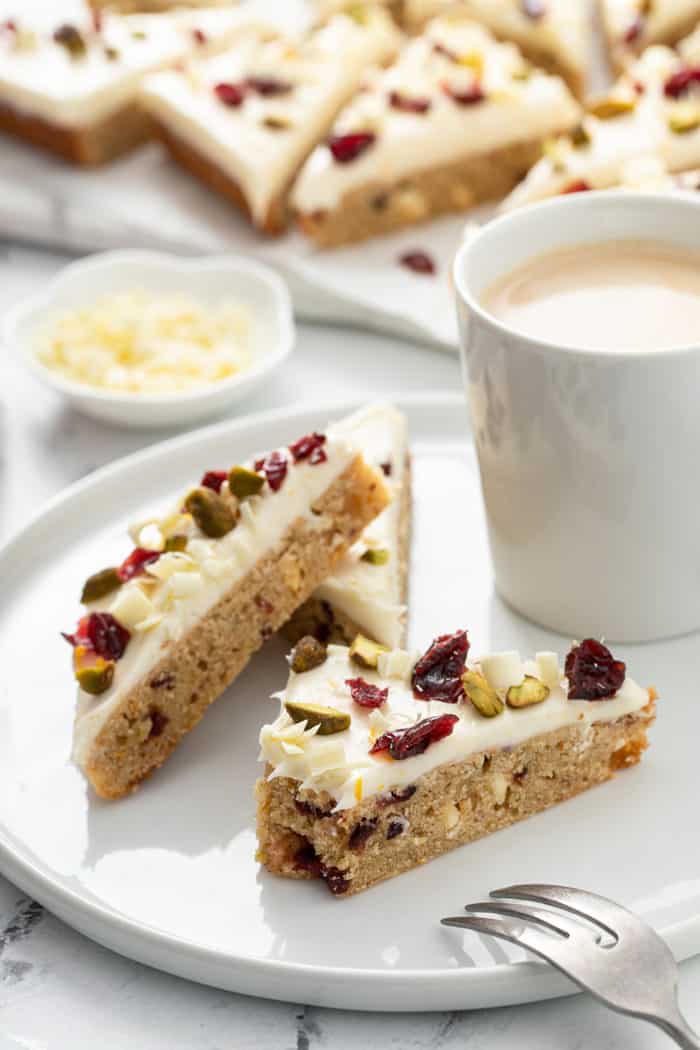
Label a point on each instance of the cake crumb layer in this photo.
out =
(301, 837)
(169, 700)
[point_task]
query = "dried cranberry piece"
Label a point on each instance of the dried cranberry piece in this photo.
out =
(158, 722)
(681, 81)
(403, 794)
(365, 694)
(534, 9)
(348, 147)
(634, 30)
(361, 832)
(135, 564)
(386, 469)
(214, 479)
(465, 96)
(8, 26)
(405, 743)
(580, 186)
(336, 880)
(305, 859)
(231, 94)
(408, 105)
(309, 809)
(274, 467)
(309, 447)
(396, 827)
(419, 262)
(200, 37)
(106, 635)
(269, 86)
(593, 671)
(438, 674)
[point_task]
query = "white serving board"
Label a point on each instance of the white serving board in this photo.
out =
(168, 876)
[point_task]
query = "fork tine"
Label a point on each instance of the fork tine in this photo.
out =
(508, 929)
(605, 913)
(566, 927)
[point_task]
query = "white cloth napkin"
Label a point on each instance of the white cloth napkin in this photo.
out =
(145, 201)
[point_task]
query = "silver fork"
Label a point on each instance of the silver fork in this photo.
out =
(631, 970)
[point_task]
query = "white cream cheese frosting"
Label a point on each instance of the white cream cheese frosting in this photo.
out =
(371, 594)
(341, 763)
(611, 146)
(261, 142)
(178, 589)
(631, 25)
(41, 77)
(512, 103)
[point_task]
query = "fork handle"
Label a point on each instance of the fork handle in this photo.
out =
(679, 1030)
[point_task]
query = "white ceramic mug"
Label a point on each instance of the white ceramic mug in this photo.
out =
(590, 460)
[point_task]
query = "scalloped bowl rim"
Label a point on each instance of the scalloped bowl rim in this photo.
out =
(41, 302)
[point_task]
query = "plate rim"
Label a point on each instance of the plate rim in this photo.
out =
(341, 987)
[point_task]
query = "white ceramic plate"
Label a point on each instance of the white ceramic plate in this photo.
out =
(168, 876)
(209, 281)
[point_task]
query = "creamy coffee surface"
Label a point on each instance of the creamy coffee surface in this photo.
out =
(627, 295)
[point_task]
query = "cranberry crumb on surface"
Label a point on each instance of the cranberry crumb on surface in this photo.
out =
(580, 186)
(386, 469)
(268, 86)
(309, 447)
(681, 82)
(274, 466)
(593, 672)
(346, 148)
(365, 694)
(418, 262)
(405, 743)
(231, 94)
(135, 564)
(405, 104)
(213, 479)
(199, 36)
(465, 96)
(438, 673)
(634, 29)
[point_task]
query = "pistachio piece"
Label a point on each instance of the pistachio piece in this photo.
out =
(611, 107)
(175, 543)
(482, 695)
(359, 13)
(243, 483)
(93, 674)
(328, 719)
(530, 691)
(685, 118)
(307, 654)
(100, 584)
(523, 72)
(213, 516)
(580, 137)
(376, 556)
(365, 653)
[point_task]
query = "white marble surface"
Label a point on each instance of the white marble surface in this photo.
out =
(57, 989)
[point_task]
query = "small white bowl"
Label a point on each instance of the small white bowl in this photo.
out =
(209, 280)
